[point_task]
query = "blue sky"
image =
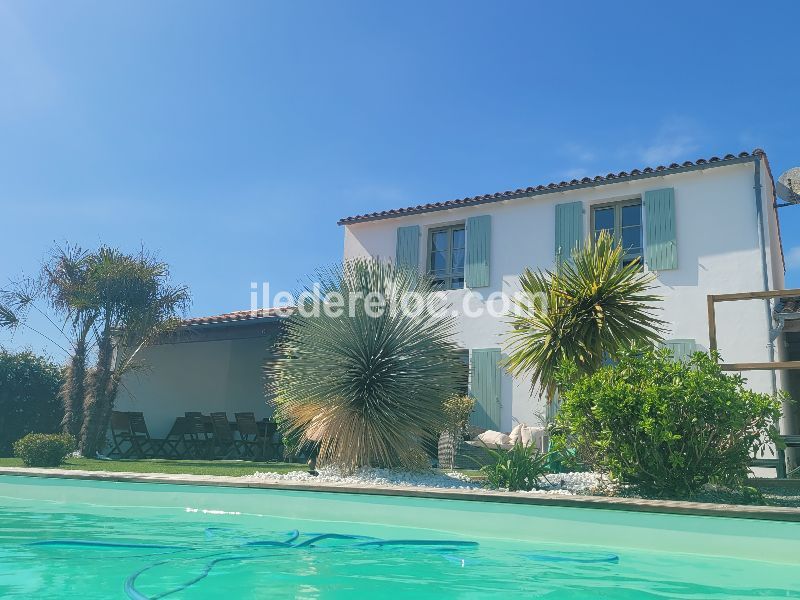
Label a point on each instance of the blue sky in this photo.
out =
(230, 136)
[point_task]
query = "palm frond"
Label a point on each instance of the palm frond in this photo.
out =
(8, 317)
(584, 312)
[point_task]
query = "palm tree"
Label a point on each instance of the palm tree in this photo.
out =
(366, 386)
(8, 317)
(114, 304)
(135, 305)
(584, 313)
(65, 278)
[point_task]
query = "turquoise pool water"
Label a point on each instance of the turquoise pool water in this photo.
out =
(86, 539)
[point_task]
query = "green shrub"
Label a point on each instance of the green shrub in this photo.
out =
(28, 397)
(519, 468)
(44, 449)
(667, 427)
(457, 410)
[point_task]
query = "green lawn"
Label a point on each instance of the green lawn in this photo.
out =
(232, 468)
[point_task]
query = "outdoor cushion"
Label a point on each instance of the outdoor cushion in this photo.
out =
(494, 439)
(516, 433)
(527, 435)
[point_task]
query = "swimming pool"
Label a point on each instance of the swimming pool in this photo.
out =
(90, 539)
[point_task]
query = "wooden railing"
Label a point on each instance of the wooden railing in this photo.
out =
(712, 299)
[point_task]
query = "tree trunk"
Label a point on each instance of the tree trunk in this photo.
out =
(95, 410)
(73, 390)
(104, 419)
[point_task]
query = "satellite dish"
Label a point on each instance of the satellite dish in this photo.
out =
(788, 187)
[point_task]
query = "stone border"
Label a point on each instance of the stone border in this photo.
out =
(768, 513)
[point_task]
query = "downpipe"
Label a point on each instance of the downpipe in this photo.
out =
(772, 333)
(764, 270)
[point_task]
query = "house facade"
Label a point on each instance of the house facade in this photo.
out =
(704, 227)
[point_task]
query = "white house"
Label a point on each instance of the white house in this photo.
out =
(703, 227)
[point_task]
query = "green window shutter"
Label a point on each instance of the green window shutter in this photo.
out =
(408, 246)
(681, 349)
(485, 387)
(661, 249)
(479, 241)
(569, 229)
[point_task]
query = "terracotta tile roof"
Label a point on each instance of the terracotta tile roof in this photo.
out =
(562, 186)
(237, 316)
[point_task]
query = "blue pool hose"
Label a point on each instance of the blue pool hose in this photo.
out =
(291, 542)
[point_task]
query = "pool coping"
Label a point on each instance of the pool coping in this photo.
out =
(768, 513)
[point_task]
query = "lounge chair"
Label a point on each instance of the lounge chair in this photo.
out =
(145, 446)
(251, 441)
(273, 440)
(196, 435)
(224, 444)
(171, 446)
(121, 435)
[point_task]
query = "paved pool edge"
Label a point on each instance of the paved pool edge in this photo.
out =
(768, 513)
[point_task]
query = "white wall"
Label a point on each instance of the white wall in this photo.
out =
(204, 376)
(718, 253)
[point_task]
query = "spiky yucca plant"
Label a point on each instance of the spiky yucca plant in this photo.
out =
(368, 389)
(586, 310)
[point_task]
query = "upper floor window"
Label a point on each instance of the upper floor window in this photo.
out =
(446, 249)
(623, 220)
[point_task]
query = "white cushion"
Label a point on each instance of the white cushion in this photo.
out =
(515, 434)
(494, 439)
(527, 435)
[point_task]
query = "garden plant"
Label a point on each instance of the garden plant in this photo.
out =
(367, 387)
(29, 403)
(44, 449)
(586, 311)
(667, 427)
(518, 468)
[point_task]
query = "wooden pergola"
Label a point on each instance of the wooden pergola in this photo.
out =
(792, 440)
(712, 328)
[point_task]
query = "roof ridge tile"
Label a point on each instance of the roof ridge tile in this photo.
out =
(757, 152)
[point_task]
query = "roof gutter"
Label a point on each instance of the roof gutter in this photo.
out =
(492, 198)
(772, 333)
(231, 323)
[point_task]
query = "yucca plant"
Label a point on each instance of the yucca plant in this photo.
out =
(584, 312)
(366, 385)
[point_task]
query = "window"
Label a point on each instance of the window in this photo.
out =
(446, 249)
(623, 220)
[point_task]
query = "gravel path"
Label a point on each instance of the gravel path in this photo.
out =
(559, 484)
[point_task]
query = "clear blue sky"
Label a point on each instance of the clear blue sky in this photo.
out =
(230, 136)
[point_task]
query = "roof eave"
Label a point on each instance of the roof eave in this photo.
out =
(552, 190)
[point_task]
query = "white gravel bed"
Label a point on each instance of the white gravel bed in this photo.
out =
(558, 484)
(585, 484)
(372, 477)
